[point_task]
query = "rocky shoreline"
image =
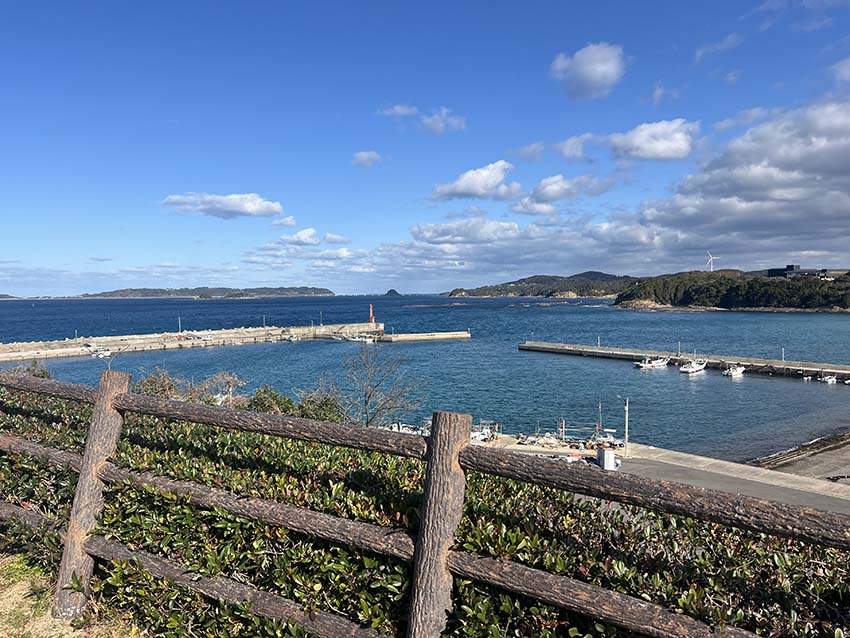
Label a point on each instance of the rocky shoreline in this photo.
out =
(646, 304)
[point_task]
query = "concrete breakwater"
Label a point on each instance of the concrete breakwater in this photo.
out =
(424, 336)
(771, 367)
(117, 344)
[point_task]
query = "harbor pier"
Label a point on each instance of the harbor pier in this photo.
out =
(771, 367)
(119, 344)
(105, 346)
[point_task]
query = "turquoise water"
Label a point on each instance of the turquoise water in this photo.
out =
(487, 376)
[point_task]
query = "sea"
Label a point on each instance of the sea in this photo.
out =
(487, 376)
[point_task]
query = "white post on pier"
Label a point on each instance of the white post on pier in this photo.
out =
(179, 325)
(598, 342)
(626, 447)
(783, 354)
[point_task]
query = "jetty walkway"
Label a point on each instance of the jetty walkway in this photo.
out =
(119, 344)
(773, 367)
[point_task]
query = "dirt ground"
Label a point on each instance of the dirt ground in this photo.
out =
(25, 598)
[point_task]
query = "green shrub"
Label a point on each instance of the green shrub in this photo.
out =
(773, 586)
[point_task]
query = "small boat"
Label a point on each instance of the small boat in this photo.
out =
(808, 377)
(847, 382)
(101, 353)
(292, 338)
(829, 378)
(650, 363)
(736, 370)
(692, 366)
(361, 338)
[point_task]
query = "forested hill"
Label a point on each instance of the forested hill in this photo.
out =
(205, 292)
(735, 289)
(585, 284)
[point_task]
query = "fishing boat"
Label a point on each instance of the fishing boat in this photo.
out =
(736, 370)
(693, 365)
(101, 353)
(650, 363)
(361, 338)
(829, 378)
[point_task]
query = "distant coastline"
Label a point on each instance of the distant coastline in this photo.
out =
(204, 293)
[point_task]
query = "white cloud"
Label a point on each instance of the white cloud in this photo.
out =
(442, 120)
(304, 237)
(399, 110)
(467, 231)
(745, 117)
(366, 158)
(487, 182)
(732, 77)
(779, 193)
(438, 121)
(664, 140)
(558, 187)
(533, 151)
(659, 92)
(781, 185)
(528, 206)
(470, 211)
(332, 238)
(572, 148)
(731, 41)
(289, 220)
(841, 70)
(225, 206)
(590, 72)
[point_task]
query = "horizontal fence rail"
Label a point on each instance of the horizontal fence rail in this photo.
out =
(561, 591)
(262, 603)
(779, 519)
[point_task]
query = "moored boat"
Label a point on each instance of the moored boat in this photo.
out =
(736, 370)
(652, 363)
(693, 365)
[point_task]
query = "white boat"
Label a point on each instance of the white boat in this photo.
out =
(693, 365)
(829, 378)
(649, 363)
(362, 338)
(101, 353)
(292, 338)
(736, 370)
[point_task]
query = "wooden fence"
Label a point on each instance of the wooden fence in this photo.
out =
(448, 456)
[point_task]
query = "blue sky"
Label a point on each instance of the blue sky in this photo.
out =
(361, 146)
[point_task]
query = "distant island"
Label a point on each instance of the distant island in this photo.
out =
(392, 292)
(7, 297)
(205, 292)
(586, 284)
(737, 290)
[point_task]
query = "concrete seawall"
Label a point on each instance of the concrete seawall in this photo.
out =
(424, 336)
(84, 346)
(754, 366)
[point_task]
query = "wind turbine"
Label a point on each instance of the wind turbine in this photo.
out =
(710, 262)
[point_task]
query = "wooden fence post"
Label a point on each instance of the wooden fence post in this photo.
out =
(101, 443)
(442, 508)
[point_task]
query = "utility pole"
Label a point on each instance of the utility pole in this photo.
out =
(321, 321)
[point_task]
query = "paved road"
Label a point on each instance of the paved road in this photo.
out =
(652, 468)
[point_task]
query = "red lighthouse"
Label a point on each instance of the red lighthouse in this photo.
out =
(371, 314)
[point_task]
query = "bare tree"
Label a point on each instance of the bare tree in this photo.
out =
(377, 391)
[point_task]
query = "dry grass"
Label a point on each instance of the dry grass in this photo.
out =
(25, 598)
